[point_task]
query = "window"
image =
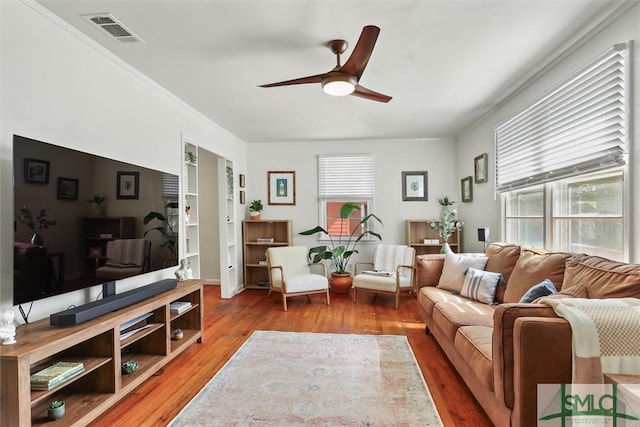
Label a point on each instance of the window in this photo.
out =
(342, 179)
(560, 163)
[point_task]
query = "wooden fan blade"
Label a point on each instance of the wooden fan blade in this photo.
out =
(359, 58)
(302, 80)
(363, 92)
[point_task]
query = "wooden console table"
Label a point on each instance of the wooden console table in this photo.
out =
(97, 344)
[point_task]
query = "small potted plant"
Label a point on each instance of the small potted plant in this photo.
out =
(97, 204)
(255, 209)
(55, 410)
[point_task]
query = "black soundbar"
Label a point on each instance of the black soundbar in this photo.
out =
(74, 316)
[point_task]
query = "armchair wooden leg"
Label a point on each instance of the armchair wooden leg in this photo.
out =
(328, 299)
(284, 301)
(355, 296)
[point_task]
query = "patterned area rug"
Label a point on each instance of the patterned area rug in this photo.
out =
(312, 379)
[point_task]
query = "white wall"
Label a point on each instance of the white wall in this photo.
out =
(478, 139)
(59, 87)
(391, 157)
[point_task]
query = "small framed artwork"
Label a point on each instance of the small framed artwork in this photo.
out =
(414, 186)
(467, 189)
(67, 188)
(36, 171)
(281, 187)
(128, 184)
(241, 181)
(480, 167)
(242, 200)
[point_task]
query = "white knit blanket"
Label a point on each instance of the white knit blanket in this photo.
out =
(606, 336)
(125, 252)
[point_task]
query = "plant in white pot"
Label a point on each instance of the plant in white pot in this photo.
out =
(340, 250)
(255, 209)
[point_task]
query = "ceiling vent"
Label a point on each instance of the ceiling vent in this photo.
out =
(111, 25)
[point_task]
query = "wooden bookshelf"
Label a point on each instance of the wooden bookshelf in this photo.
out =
(254, 252)
(419, 230)
(98, 346)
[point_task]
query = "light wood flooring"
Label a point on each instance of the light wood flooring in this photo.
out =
(228, 323)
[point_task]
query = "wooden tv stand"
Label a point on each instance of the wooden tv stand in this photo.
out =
(97, 344)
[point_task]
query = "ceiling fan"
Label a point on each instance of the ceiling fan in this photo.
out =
(344, 79)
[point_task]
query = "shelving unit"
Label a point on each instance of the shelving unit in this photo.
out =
(228, 247)
(98, 346)
(190, 185)
(419, 230)
(97, 231)
(255, 272)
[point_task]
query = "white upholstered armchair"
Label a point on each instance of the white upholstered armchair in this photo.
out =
(392, 272)
(290, 274)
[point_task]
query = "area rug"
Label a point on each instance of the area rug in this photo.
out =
(315, 379)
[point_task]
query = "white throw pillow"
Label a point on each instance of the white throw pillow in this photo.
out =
(480, 285)
(455, 265)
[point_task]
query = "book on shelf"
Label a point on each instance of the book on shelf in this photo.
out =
(178, 307)
(54, 375)
(266, 240)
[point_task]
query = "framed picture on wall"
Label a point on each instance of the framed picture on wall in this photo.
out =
(242, 197)
(241, 181)
(128, 184)
(480, 167)
(467, 189)
(414, 186)
(67, 188)
(281, 187)
(36, 171)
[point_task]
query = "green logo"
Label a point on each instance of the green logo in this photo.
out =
(587, 404)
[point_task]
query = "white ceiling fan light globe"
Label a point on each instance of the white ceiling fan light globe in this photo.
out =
(339, 85)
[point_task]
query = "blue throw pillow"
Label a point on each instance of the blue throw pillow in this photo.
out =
(542, 289)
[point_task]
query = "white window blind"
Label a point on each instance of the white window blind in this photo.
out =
(345, 176)
(170, 186)
(577, 128)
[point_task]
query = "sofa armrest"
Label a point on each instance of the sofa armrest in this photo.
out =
(504, 318)
(542, 355)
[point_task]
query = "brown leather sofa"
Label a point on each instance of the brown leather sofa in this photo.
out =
(504, 350)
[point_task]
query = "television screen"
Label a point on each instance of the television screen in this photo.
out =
(79, 220)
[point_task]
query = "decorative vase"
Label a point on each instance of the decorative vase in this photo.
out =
(340, 283)
(97, 209)
(36, 239)
(445, 247)
(129, 367)
(55, 411)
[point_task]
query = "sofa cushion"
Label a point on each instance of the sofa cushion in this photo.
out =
(480, 285)
(532, 268)
(542, 289)
(474, 345)
(449, 316)
(429, 269)
(602, 278)
(429, 296)
(455, 265)
(502, 259)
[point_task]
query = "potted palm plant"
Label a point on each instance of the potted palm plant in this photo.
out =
(255, 209)
(340, 249)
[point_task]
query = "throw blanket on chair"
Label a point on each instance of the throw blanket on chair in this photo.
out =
(125, 252)
(606, 336)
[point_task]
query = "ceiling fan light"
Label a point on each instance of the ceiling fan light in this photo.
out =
(339, 85)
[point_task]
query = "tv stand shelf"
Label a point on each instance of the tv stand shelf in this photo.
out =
(97, 344)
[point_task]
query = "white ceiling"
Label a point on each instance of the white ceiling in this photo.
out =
(445, 63)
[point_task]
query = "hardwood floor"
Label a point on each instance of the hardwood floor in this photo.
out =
(228, 323)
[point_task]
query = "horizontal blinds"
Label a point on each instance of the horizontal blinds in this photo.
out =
(170, 186)
(579, 127)
(346, 176)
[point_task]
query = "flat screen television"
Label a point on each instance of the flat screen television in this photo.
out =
(72, 234)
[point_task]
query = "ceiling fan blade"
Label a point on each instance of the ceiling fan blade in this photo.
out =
(359, 58)
(302, 80)
(363, 92)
